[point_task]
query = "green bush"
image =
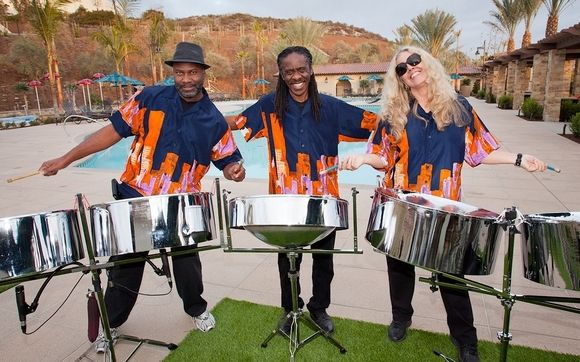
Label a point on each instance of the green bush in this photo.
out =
(568, 109)
(575, 124)
(476, 87)
(466, 81)
(505, 102)
(489, 98)
(531, 109)
(480, 94)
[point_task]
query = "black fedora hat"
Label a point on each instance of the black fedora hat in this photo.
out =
(187, 53)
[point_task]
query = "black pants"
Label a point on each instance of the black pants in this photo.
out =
(186, 273)
(457, 303)
(322, 274)
(188, 280)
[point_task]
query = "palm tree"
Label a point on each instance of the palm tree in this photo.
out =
(111, 38)
(158, 37)
(403, 36)
(529, 9)
(555, 8)
(261, 38)
(242, 55)
(305, 32)
(433, 30)
(506, 18)
(44, 18)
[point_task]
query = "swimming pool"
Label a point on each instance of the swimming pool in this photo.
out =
(254, 152)
(17, 120)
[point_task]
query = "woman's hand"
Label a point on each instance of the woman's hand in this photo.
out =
(532, 164)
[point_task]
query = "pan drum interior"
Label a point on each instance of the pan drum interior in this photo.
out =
(434, 232)
(288, 221)
(35, 243)
(551, 249)
(146, 223)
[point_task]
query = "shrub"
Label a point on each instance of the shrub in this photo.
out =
(466, 81)
(568, 109)
(531, 109)
(476, 87)
(575, 124)
(489, 98)
(480, 94)
(505, 102)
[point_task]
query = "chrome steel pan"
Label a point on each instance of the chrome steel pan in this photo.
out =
(288, 221)
(551, 249)
(147, 223)
(39, 242)
(433, 232)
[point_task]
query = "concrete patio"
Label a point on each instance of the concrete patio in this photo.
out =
(360, 285)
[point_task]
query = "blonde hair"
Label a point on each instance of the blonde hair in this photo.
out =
(442, 98)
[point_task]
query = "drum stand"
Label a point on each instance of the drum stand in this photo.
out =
(505, 295)
(95, 271)
(297, 316)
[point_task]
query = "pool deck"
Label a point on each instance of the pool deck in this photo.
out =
(360, 285)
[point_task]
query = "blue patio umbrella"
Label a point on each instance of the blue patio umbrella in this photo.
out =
(261, 81)
(344, 77)
(374, 77)
(117, 79)
(167, 81)
(455, 76)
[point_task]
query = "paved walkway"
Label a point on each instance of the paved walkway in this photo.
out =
(360, 285)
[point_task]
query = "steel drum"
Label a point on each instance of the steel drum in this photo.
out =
(288, 221)
(551, 249)
(434, 232)
(146, 223)
(39, 242)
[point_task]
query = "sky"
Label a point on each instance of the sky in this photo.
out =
(377, 16)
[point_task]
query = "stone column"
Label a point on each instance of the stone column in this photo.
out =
(576, 86)
(539, 77)
(499, 81)
(512, 68)
(557, 83)
(522, 79)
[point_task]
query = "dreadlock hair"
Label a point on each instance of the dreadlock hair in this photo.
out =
(282, 91)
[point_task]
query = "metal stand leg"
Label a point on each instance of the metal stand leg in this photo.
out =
(95, 269)
(297, 316)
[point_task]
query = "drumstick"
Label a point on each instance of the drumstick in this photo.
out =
(23, 176)
(552, 168)
(331, 168)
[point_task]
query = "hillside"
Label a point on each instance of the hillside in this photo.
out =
(80, 56)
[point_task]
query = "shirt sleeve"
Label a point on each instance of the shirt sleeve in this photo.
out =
(381, 144)
(129, 118)
(356, 124)
(479, 142)
(250, 122)
(225, 151)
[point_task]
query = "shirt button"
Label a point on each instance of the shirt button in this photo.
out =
(302, 145)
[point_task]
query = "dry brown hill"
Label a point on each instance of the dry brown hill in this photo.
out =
(80, 56)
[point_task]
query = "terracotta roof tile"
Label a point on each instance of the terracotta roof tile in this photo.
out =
(353, 68)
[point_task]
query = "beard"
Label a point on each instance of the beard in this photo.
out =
(196, 91)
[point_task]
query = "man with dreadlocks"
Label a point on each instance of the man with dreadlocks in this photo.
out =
(303, 129)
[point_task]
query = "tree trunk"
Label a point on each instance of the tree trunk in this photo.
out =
(57, 78)
(526, 39)
(511, 45)
(243, 81)
(49, 56)
(551, 25)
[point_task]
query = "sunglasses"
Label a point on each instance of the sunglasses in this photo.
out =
(413, 60)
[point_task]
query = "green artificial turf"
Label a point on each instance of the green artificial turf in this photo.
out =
(242, 327)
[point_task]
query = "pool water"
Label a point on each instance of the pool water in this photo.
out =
(18, 119)
(255, 158)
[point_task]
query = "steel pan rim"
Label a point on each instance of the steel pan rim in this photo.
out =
(446, 212)
(147, 198)
(44, 213)
(549, 217)
(292, 196)
(242, 227)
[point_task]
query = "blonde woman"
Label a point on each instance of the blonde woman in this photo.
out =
(426, 134)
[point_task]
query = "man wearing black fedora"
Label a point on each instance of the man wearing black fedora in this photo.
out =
(178, 134)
